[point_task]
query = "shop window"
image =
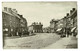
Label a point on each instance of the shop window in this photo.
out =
(11, 29)
(6, 29)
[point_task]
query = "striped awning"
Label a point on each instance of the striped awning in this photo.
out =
(73, 29)
(59, 29)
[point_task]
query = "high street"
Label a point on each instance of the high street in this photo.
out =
(37, 41)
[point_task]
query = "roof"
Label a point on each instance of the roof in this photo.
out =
(11, 14)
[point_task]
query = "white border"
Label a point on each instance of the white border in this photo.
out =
(1, 49)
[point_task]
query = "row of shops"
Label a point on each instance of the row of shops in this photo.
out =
(66, 25)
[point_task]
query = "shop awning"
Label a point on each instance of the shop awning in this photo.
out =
(59, 29)
(73, 29)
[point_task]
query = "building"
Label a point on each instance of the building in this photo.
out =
(53, 25)
(66, 25)
(11, 22)
(35, 27)
(60, 26)
(46, 30)
(23, 25)
(73, 21)
(70, 22)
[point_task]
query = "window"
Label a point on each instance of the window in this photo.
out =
(6, 29)
(11, 29)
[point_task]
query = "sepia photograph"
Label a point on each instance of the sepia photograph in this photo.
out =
(40, 25)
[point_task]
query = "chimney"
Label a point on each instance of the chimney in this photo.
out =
(33, 23)
(5, 8)
(39, 23)
(67, 14)
(73, 9)
(9, 10)
(21, 15)
(64, 16)
(36, 23)
(14, 10)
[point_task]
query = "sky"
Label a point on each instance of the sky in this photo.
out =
(41, 11)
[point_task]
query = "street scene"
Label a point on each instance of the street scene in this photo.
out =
(40, 25)
(37, 41)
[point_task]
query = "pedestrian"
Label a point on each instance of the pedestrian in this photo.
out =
(68, 32)
(20, 34)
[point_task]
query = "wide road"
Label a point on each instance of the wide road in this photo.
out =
(37, 41)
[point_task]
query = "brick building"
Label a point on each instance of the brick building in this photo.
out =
(11, 22)
(23, 25)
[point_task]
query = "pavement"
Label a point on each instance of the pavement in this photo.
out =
(64, 43)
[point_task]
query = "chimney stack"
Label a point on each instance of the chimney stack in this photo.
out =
(14, 10)
(73, 9)
(5, 8)
(67, 14)
(9, 10)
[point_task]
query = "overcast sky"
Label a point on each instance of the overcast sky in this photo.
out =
(41, 11)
